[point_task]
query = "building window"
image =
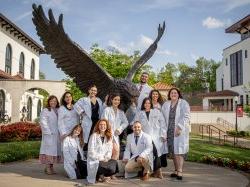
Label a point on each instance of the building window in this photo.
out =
(236, 70)
(241, 100)
(39, 107)
(21, 64)
(245, 53)
(226, 62)
(2, 103)
(247, 100)
(222, 84)
(8, 59)
(32, 69)
(29, 108)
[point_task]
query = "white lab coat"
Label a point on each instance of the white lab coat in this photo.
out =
(83, 107)
(117, 121)
(143, 148)
(67, 120)
(70, 147)
(97, 151)
(146, 89)
(155, 127)
(50, 144)
(182, 119)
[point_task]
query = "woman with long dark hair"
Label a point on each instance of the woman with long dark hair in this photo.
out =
(176, 112)
(50, 150)
(90, 109)
(117, 120)
(156, 99)
(67, 116)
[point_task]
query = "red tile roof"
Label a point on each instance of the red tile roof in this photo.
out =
(162, 86)
(4, 75)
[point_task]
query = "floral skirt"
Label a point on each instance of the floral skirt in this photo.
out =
(48, 159)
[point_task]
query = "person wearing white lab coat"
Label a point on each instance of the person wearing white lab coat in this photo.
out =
(143, 88)
(138, 153)
(156, 98)
(90, 108)
(72, 146)
(176, 112)
(50, 150)
(99, 162)
(153, 123)
(117, 120)
(67, 116)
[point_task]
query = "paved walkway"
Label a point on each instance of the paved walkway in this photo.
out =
(30, 174)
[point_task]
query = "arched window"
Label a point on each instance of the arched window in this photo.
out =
(21, 64)
(2, 103)
(8, 59)
(29, 108)
(39, 108)
(32, 69)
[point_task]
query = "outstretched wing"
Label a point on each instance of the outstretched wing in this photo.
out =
(147, 54)
(67, 55)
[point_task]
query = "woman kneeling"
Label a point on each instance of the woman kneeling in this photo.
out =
(99, 162)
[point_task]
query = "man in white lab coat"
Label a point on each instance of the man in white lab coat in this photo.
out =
(143, 88)
(138, 154)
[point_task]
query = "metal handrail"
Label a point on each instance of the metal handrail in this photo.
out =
(211, 128)
(224, 123)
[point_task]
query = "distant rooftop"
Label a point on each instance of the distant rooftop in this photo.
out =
(162, 86)
(241, 26)
(20, 34)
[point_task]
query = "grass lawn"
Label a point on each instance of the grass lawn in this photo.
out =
(13, 151)
(199, 147)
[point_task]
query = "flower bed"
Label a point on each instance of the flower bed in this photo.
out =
(226, 162)
(20, 131)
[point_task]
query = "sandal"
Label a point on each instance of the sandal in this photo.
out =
(48, 171)
(174, 175)
(179, 177)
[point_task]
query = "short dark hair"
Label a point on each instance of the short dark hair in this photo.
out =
(178, 91)
(145, 73)
(63, 97)
(49, 99)
(91, 86)
(144, 101)
(160, 99)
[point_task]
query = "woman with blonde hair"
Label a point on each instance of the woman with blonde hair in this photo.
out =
(99, 162)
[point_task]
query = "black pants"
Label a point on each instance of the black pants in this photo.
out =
(94, 121)
(159, 162)
(107, 168)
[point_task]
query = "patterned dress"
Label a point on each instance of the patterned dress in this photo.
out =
(171, 129)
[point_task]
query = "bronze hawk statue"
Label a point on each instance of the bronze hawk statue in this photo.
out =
(76, 63)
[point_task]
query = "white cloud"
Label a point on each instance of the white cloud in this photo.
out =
(141, 44)
(213, 23)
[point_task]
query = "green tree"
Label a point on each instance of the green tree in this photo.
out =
(74, 89)
(168, 74)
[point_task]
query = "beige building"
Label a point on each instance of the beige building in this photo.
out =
(19, 74)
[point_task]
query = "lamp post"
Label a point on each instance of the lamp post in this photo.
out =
(236, 99)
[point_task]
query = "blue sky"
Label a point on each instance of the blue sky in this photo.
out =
(195, 28)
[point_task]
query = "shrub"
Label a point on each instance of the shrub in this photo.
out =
(20, 131)
(226, 162)
(239, 133)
